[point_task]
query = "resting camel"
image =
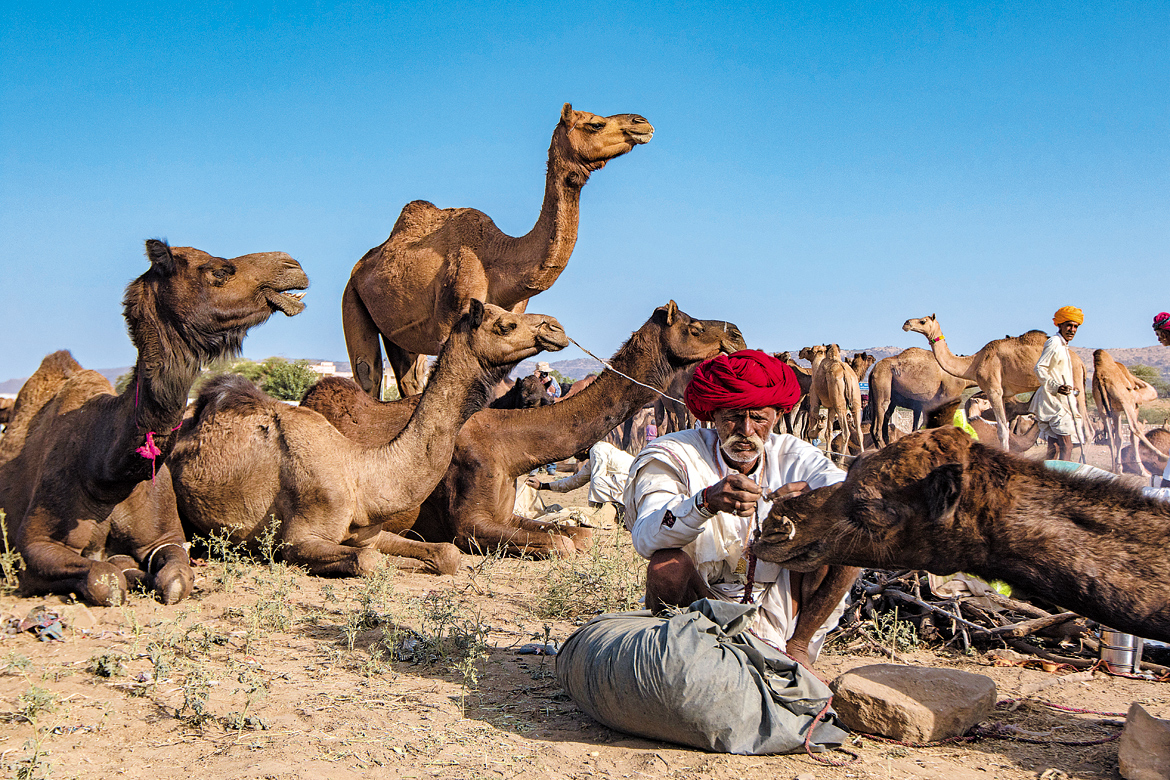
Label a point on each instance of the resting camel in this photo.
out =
(526, 393)
(936, 500)
(246, 458)
(1117, 391)
(411, 289)
(835, 385)
(472, 504)
(84, 507)
(912, 380)
(1156, 465)
(1022, 434)
(1004, 367)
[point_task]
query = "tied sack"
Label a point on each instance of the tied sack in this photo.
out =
(698, 678)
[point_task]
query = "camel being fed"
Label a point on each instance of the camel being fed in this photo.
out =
(412, 288)
(246, 460)
(472, 504)
(937, 500)
(85, 451)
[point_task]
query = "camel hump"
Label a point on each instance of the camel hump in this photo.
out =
(230, 391)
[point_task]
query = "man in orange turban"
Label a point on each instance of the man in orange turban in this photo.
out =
(1055, 402)
(695, 499)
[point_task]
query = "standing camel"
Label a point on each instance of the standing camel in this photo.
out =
(796, 418)
(835, 385)
(1117, 391)
(1004, 367)
(87, 450)
(411, 289)
(472, 505)
(247, 460)
(912, 380)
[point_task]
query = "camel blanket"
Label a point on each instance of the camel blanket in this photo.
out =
(698, 678)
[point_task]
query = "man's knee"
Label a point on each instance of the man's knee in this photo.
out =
(670, 566)
(672, 579)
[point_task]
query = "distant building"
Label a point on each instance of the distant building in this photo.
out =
(329, 368)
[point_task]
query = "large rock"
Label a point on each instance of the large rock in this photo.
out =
(1144, 752)
(912, 703)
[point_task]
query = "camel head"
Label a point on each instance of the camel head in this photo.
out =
(532, 393)
(927, 326)
(201, 306)
(832, 352)
(591, 141)
(895, 509)
(687, 341)
(499, 338)
(812, 354)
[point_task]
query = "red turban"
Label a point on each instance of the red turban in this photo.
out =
(747, 379)
(1162, 321)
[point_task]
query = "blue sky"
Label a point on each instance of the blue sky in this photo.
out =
(819, 172)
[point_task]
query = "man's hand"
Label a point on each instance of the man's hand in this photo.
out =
(735, 494)
(533, 482)
(1065, 389)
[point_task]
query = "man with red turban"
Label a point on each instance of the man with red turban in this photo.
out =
(1055, 402)
(696, 498)
(1162, 328)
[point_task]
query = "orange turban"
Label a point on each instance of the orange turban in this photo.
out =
(1068, 314)
(747, 379)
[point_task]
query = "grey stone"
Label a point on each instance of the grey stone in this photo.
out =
(912, 703)
(1144, 752)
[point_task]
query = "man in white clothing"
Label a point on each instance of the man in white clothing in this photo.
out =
(1055, 403)
(606, 469)
(696, 498)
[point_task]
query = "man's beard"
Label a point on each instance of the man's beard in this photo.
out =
(742, 457)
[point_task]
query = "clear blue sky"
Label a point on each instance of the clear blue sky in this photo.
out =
(819, 173)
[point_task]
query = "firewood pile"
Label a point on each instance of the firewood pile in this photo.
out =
(895, 612)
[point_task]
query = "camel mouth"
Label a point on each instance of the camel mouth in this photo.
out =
(288, 303)
(640, 136)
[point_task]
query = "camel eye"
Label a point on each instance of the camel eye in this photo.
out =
(222, 272)
(595, 126)
(505, 328)
(696, 330)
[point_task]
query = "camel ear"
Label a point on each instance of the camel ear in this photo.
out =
(941, 490)
(934, 316)
(567, 113)
(159, 255)
(669, 310)
(475, 313)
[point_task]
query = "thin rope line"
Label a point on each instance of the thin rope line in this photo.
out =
(608, 365)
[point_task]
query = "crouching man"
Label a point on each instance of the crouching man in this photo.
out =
(696, 498)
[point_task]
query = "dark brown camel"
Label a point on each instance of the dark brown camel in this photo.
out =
(84, 452)
(527, 393)
(936, 500)
(246, 458)
(472, 505)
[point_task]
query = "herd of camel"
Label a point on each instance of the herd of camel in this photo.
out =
(102, 491)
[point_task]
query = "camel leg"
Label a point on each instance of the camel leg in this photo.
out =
(996, 398)
(428, 557)
(361, 341)
(818, 592)
(1132, 418)
(410, 369)
(148, 523)
(528, 537)
(917, 419)
(330, 559)
(53, 567)
(814, 410)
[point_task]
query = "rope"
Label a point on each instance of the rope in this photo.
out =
(609, 365)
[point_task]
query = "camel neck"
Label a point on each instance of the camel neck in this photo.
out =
(949, 361)
(531, 263)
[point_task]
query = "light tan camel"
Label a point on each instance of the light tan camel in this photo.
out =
(1023, 432)
(1004, 367)
(411, 289)
(860, 363)
(939, 501)
(1116, 391)
(912, 380)
(796, 419)
(472, 505)
(1156, 465)
(247, 459)
(84, 506)
(835, 385)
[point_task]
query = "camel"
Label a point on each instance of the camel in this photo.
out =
(1160, 438)
(796, 419)
(860, 363)
(1004, 367)
(913, 380)
(6, 406)
(1117, 391)
(246, 459)
(834, 384)
(412, 288)
(1024, 431)
(472, 505)
(86, 507)
(526, 393)
(939, 501)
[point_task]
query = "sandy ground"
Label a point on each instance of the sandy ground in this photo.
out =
(268, 673)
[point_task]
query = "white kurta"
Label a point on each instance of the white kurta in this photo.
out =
(606, 471)
(665, 480)
(1058, 414)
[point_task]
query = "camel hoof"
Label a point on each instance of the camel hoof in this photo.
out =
(446, 559)
(105, 586)
(368, 561)
(174, 582)
(562, 546)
